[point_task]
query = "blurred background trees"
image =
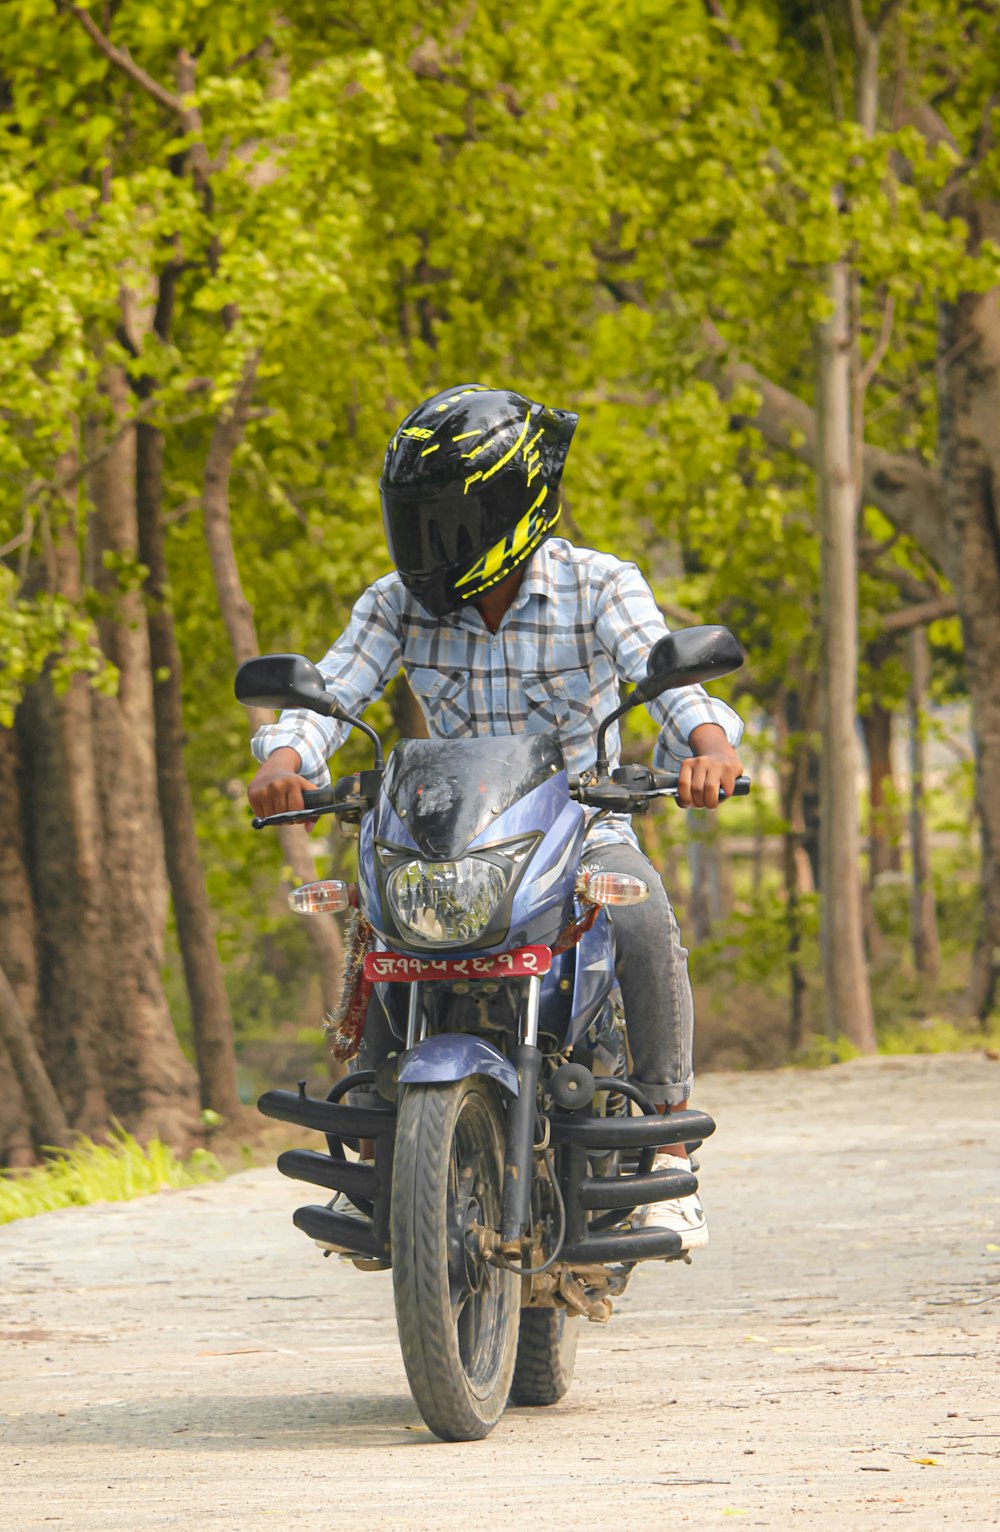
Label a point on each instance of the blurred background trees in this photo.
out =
(756, 249)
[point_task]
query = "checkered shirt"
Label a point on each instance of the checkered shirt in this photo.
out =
(580, 622)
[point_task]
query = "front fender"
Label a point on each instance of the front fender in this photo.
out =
(455, 1056)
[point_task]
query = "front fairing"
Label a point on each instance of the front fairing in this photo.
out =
(443, 800)
(501, 795)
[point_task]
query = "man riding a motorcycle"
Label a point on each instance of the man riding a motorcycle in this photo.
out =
(503, 628)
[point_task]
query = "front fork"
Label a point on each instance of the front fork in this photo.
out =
(519, 1148)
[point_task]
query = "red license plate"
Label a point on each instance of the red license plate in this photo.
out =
(393, 968)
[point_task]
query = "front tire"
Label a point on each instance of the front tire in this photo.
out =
(546, 1356)
(457, 1314)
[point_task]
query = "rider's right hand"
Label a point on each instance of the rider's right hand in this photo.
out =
(277, 788)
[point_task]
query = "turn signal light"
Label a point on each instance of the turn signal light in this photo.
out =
(321, 898)
(611, 888)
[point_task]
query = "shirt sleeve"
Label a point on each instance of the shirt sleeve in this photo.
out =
(357, 668)
(628, 623)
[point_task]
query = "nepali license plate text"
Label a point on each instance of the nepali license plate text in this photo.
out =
(393, 968)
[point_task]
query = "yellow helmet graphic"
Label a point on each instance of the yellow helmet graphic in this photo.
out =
(470, 489)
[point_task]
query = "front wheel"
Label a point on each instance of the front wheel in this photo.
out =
(457, 1314)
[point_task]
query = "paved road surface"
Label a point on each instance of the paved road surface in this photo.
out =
(190, 1361)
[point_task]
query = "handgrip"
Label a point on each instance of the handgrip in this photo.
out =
(666, 781)
(343, 799)
(315, 800)
(319, 798)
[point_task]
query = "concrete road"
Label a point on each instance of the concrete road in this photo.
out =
(830, 1361)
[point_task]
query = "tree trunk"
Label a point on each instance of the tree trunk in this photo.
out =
(406, 714)
(705, 909)
(798, 1021)
(76, 1007)
(150, 1083)
(237, 614)
(210, 1016)
(794, 755)
(48, 1119)
(883, 817)
(17, 950)
(969, 344)
(952, 514)
(923, 914)
(848, 1000)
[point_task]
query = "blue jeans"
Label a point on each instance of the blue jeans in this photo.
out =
(651, 965)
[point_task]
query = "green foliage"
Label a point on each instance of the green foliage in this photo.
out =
(821, 1052)
(33, 629)
(935, 1034)
(752, 947)
(89, 1172)
(555, 196)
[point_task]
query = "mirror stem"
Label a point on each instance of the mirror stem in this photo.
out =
(367, 729)
(601, 766)
(359, 723)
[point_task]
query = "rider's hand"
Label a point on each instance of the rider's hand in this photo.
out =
(277, 788)
(715, 764)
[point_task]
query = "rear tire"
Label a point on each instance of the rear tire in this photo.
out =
(546, 1356)
(457, 1314)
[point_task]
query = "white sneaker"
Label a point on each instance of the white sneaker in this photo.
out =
(681, 1215)
(343, 1205)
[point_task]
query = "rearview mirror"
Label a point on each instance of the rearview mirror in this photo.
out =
(678, 659)
(284, 680)
(687, 656)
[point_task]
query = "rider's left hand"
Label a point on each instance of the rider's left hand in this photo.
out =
(702, 775)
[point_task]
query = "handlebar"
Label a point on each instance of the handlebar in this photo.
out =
(629, 790)
(632, 789)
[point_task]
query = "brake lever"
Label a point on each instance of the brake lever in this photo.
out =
(294, 817)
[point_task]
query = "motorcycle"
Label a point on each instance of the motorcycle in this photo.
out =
(500, 1155)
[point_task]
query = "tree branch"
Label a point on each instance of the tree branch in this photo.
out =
(885, 13)
(191, 117)
(830, 56)
(236, 611)
(122, 59)
(680, 614)
(916, 616)
(922, 116)
(860, 30)
(881, 346)
(962, 344)
(908, 584)
(715, 10)
(15, 542)
(900, 486)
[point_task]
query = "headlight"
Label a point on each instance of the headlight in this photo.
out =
(446, 902)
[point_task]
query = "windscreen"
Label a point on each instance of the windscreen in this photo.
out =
(452, 789)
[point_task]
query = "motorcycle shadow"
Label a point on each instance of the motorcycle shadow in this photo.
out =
(243, 1422)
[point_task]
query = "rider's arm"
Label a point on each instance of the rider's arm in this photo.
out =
(693, 725)
(357, 668)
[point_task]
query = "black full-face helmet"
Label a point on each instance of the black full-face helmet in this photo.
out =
(470, 489)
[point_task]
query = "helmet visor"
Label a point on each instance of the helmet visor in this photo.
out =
(447, 530)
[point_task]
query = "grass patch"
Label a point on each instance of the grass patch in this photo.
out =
(819, 1052)
(937, 1034)
(114, 1172)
